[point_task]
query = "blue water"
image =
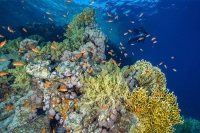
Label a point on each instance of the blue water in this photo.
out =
(175, 24)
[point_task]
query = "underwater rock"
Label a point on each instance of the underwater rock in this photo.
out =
(28, 44)
(39, 70)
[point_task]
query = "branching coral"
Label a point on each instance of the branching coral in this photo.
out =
(22, 79)
(107, 89)
(157, 113)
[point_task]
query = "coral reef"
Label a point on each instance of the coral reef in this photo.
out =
(68, 86)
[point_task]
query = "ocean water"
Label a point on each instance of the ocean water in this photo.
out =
(174, 23)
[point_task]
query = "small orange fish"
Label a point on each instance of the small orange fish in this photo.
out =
(10, 29)
(75, 100)
(2, 59)
(85, 64)
(91, 70)
(21, 50)
(128, 102)
(26, 105)
(43, 131)
(110, 53)
(139, 110)
(125, 33)
(119, 64)
(103, 61)
(17, 63)
(92, 83)
(24, 29)
(65, 101)
(54, 101)
(3, 73)
(53, 47)
(57, 68)
(35, 50)
(114, 62)
(160, 63)
(48, 82)
(9, 107)
(50, 19)
(110, 21)
(104, 107)
(48, 13)
(83, 51)
(62, 88)
(72, 60)
(153, 38)
(69, 0)
(69, 26)
(92, 51)
(2, 43)
(1, 36)
(79, 55)
(141, 38)
(33, 108)
(174, 70)
(28, 55)
(78, 129)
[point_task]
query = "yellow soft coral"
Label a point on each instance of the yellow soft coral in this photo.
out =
(157, 112)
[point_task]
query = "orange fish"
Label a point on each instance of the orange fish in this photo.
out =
(50, 19)
(92, 83)
(83, 51)
(114, 62)
(79, 55)
(17, 63)
(85, 64)
(35, 50)
(118, 64)
(103, 61)
(57, 68)
(65, 101)
(141, 38)
(48, 82)
(9, 107)
(21, 50)
(10, 29)
(26, 105)
(75, 100)
(153, 38)
(28, 55)
(33, 108)
(110, 53)
(2, 59)
(72, 60)
(92, 51)
(62, 88)
(48, 13)
(110, 21)
(91, 70)
(2, 43)
(139, 110)
(43, 131)
(104, 107)
(128, 102)
(50, 116)
(160, 63)
(24, 29)
(174, 70)
(1, 36)
(3, 73)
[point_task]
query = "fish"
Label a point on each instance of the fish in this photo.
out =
(165, 66)
(35, 50)
(64, 16)
(48, 82)
(119, 64)
(141, 14)
(110, 53)
(172, 57)
(21, 50)
(24, 29)
(69, 0)
(132, 53)
(130, 31)
(174, 70)
(10, 29)
(69, 26)
(141, 38)
(103, 61)
(126, 15)
(79, 56)
(92, 2)
(57, 68)
(75, 100)
(125, 33)
(125, 54)
(160, 63)
(104, 107)
(147, 35)
(154, 42)
(132, 22)
(114, 62)
(3, 73)
(9, 107)
(92, 83)
(109, 14)
(121, 44)
(53, 47)
(65, 101)
(2, 43)
(43, 131)
(92, 51)
(85, 64)
(28, 55)
(1, 36)
(50, 19)
(33, 108)
(2, 59)
(139, 110)
(132, 44)
(48, 13)
(116, 17)
(83, 51)
(128, 102)
(91, 70)
(110, 21)
(17, 63)
(153, 38)
(3, 27)
(62, 88)
(141, 49)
